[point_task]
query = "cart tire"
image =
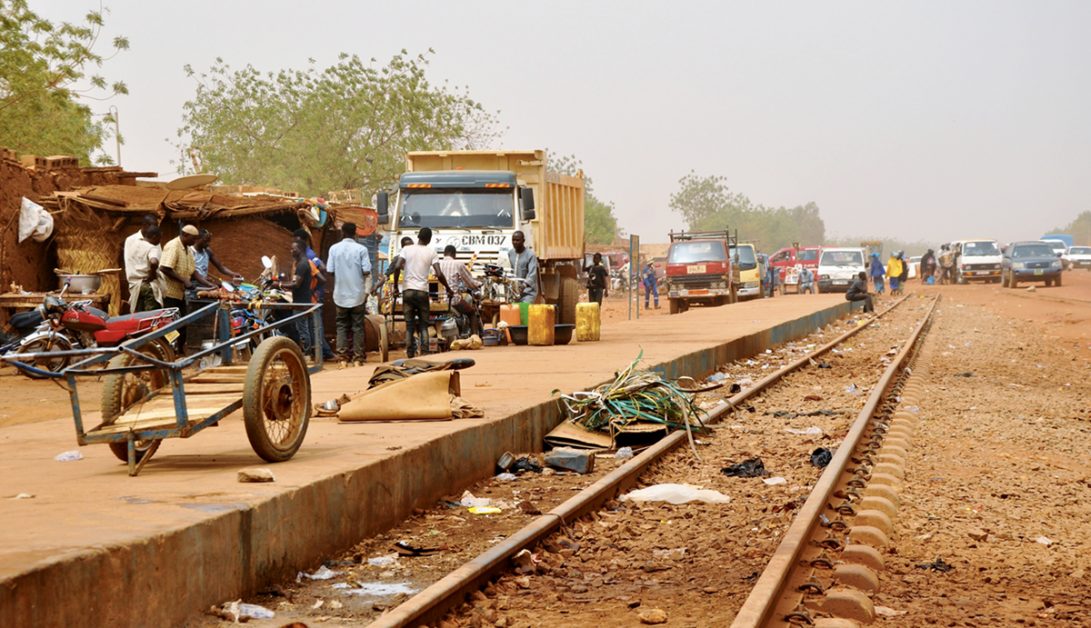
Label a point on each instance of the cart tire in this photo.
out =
(570, 295)
(122, 390)
(276, 399)
(45, 344)
(384, 342)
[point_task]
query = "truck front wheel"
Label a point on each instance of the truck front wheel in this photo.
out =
(570, 295)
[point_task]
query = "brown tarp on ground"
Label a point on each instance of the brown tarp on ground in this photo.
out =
(425, 396)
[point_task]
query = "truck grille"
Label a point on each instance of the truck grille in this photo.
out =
(695, 281)
(1038, 264)
(981, 266)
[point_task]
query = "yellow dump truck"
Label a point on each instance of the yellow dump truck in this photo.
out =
(476, 200)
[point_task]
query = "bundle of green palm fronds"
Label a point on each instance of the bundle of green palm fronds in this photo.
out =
(634, 396)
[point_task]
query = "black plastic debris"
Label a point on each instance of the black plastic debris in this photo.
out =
(525, 464)
(749, 468)
(821, 457)
(824, 365)
(939, 565)
(735, 388)
(965, 374)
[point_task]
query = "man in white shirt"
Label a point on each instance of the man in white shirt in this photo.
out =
(417, 260)
(350, 264)
(142, 253)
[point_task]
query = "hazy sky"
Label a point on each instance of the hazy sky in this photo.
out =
(931, 120)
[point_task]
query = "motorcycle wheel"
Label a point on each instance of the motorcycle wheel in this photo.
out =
(46, 344)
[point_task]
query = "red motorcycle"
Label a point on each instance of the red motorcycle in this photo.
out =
(78, 325)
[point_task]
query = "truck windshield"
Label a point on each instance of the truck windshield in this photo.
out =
(807, 255)
(688, 252)
(1032, 250)
(1080, 250)
(971, 249)
(747, 261)
(842, 258)
(440, 209)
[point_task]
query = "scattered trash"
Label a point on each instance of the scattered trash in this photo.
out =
(568, 459)
(916, 409)
(404, 548)
(335, 605)
(1044, 540)
(318, 604)
(69, 456)
(744, 382)
(506, 460)
(978, 534)
(322, 573)
(505, 477)
(624, 453)
(378, 589)
(675, 494)
(749, 468)
(813, 430)
(484, 510)
(716, 377)
(886, 611)
(524, 464)
(965, 374)
(937, 565)
(524, 562)
(735, 388)
(256, 475)
(652, 616)
(1032, 289)
(23, 496)
(852, 389)
(469, 501)
(383, 561)
(821, 457)
(812, 397)
(677, 553)
(774, 481)
(238, 611)
(824, 365)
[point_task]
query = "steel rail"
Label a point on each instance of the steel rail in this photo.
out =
(431, 604)
(769, 589)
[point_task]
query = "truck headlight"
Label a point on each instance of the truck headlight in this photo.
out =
(1018, 265)
(824, 277)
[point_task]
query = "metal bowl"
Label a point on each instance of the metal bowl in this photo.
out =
(81, 284)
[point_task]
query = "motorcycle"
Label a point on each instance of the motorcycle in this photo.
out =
(78, 325)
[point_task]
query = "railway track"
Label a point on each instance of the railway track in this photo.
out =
(572, 569)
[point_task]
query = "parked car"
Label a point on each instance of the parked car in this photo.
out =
(1077, 257)
(745, 259)
(837, 267)
(1058, 246)
(795, 257)
(978, 260)
(1032, 260)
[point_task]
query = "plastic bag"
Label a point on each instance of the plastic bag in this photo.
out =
(34, 221)
(675, 494)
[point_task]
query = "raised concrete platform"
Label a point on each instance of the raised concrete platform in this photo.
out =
(96, 547)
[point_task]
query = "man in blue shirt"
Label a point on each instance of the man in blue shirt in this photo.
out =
(303, 236)
(525, 266)
(350, 264)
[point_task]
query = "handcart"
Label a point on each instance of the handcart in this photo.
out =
(148, 395)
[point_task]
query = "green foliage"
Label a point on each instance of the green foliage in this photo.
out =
(44, 68)
(889, 244)
(599, 221)
(320, 129)
(706, 203)
(1079, 229)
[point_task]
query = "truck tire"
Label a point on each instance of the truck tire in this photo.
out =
(570, 295)
(676, 306)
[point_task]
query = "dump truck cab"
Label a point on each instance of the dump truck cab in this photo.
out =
(699, 269)
(476, 201)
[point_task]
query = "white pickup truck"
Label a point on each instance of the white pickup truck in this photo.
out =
(978, 260)
(837, 267)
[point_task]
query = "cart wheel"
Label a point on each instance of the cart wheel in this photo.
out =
(45, 344)
(120, 391)
(276, 399)
(384, 342)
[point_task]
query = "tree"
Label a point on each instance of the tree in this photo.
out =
(1079, 229)
(599, 221)
(315, 130)
(707, 203)
(45, 69)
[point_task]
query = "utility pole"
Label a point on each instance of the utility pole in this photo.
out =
(117, 133)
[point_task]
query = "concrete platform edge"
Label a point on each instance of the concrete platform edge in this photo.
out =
(164, 579)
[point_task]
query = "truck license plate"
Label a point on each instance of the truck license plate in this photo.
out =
(1039, 272)
(840, 282)
(696, 269)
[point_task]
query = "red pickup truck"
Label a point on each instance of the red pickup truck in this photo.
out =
(790, 256)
